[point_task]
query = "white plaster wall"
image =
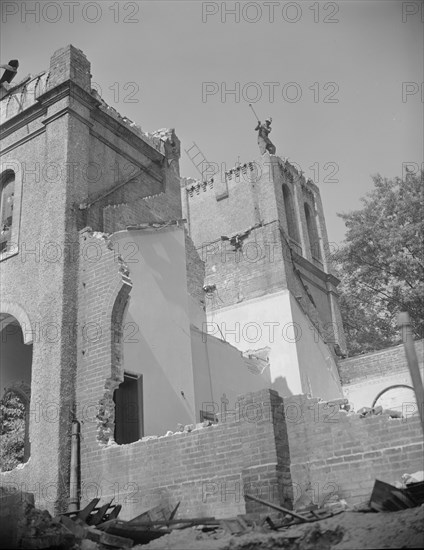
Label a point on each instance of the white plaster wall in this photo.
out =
(220, 371)
(196, 312)
(362, 394)
(318, 369)
(262, 322)
(160, 349)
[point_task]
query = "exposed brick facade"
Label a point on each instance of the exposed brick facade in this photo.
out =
(338, 454)
(377, 364)
(281, 450)
(73, 156)
(249, 202)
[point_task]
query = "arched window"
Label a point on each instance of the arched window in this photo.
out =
(312, 232)
(6, 208)
(290, 213)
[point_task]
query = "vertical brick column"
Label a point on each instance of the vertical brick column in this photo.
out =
(268, 475)
(69, 63)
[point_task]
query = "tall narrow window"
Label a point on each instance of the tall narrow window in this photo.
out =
(290, 213)
(312, 233)
(6, 209)
(128, 400)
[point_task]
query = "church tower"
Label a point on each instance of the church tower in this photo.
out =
(269, 290)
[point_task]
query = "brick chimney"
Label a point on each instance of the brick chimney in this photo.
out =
(70, 63)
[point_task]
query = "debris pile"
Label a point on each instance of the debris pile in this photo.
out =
(406, 494)
(97, 526)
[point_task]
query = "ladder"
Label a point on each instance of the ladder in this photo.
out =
(197, 158)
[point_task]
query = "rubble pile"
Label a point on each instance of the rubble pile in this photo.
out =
(97, 527)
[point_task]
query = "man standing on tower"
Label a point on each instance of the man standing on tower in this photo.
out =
(265, 144)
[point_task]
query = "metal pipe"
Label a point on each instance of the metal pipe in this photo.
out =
(250, 105)
(74, 489)
(279, 508)
(411, 356)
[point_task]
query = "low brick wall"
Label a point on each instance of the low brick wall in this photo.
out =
(206, 469)
(282, 450)
(332, 453)
(378, 363)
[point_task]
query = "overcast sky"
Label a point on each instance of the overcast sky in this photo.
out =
(346, 98)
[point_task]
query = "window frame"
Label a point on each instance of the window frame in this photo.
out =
(12, 247)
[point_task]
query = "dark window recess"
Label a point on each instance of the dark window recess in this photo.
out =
(128, 400)
(206, 415)
(312, 233)
(290, 214)
(6, 210)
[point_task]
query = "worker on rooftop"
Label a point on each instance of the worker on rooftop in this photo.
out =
(265, 144)
(9, 74)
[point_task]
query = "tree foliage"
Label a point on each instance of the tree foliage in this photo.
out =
(12, 431)
(381, 264)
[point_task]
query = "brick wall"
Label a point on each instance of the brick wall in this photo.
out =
(103, 290)
(278, 450)
(334, 453)
(256, 269)
(379, 363)
(206, 469)
(70, 63)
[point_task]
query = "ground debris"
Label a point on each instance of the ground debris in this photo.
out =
(346, 531)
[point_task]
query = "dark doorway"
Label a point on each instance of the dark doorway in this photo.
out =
(128, 400)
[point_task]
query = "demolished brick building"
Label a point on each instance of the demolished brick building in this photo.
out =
(107, 303)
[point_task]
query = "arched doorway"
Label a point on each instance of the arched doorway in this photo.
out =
(15, 394)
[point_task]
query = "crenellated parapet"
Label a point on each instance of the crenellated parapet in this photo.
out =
(249, 172)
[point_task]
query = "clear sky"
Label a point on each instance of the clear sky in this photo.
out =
(347, 78)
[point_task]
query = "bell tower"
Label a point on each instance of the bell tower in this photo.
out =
(269, 289)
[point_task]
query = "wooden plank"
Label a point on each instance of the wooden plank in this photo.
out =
(98, 517)
(386, 497)
(115, 541)
(115, 512)
(279, 508)
(85, 512)
(174, 511)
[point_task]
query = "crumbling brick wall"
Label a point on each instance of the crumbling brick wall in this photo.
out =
(103, 291)
(332, 453)
(281, 450)
(255, 269)
(207, 470)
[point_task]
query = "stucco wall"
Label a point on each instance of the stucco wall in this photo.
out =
(160, 349)
(221, 373)
(300, 361)
(318, 369)
(259, 323)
